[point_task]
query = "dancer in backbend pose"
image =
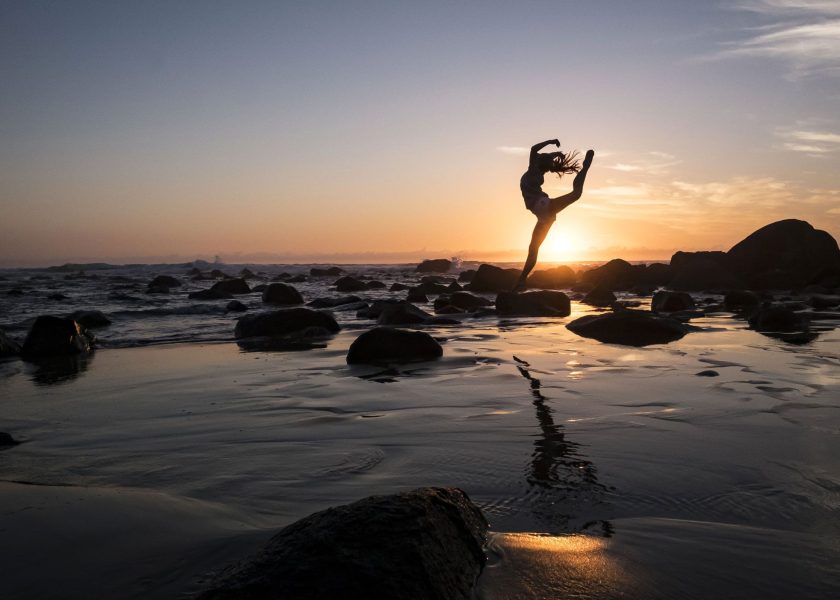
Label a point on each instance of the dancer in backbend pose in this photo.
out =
(538, 202)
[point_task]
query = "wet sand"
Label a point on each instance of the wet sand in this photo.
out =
(151, 459)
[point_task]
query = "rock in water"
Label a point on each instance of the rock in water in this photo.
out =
(617, 274)
(671, 302)
(777, 319)
(8, 347)
(333, 302)
(556, 278)
(164, 281)
(290, 322)
(461, 300)
(533, 304)
(330, 272)
(493, 279)
(386, 344)
(426, 544)
(402, 313)
(783, 255)
(231, 286)
(281, 293)
(437, 265)
(7, 441)
(56, 336)
(235, 306)
(629, 327)
(599, 297)
(741, 301)
(349, 284)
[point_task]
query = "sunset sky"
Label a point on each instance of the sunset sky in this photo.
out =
(391, 131)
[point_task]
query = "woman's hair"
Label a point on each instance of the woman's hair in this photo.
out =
(562, 163)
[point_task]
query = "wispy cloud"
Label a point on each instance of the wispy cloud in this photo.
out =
(805, 34)
(653, 163)
(815, 143)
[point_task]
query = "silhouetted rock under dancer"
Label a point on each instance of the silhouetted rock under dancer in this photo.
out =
(538, 202)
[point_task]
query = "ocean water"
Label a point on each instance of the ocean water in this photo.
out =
(646, 477)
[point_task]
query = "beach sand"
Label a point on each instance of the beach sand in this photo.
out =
(155, 465)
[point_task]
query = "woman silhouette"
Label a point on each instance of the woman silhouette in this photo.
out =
(538, 202)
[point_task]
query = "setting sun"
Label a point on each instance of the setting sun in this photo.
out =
(562, 245)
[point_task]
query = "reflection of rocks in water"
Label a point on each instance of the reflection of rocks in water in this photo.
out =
(60, 369)
(560, 479)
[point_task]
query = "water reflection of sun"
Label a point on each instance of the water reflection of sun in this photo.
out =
(562, 246)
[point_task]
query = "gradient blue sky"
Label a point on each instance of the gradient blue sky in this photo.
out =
(393, 130)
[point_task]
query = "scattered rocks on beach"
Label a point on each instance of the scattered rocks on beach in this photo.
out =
(437, 265)
(387, 344)
(629, 327)
(537, 304)
(493, 279)
(328, 272)
(56, 336)
(292, 323)
(281, 294)
(426, 544)
(349, 284)
(8, 347)
(669, 302)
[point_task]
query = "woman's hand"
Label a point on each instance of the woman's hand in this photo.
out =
(556, 142)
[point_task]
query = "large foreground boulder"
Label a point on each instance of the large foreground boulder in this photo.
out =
(536, 304)
(281, 294)
(56, 336)
(437, 265)
(389, 345)
(493, 279)
(629, 328)
(783, 255)
(288, 323)
(426, 544)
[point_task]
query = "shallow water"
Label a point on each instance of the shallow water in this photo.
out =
(546, 431)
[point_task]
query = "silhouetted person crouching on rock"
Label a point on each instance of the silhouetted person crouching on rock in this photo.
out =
(538, 202)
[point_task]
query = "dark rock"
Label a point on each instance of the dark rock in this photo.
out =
(430, 288)
(398, 287)
(373, 284)
(708, 373)
(462, 300)
(296, 279)
(783, 255)
(281, 294)
(246, 273)
(386, 344)
(448, 309)
(281, 276)
(8, 347)
(552, 279)
(358, 306)
(349, 284)
(454, 287)
(533, 304)
(741, 301)
(668, 302)
(629, 327)
(642, 289)
(654, 274)
(696, 271)
(466, 276)
(376, 308)
(231, 286)
(57, 296)
(617, 274)
(218, 274)
(814, 289)
(90, 318)
(329, 272)
(440, 279)
(493, 279)
(235, 306)
(286, 323)
(259, 289)
(55, 336)
(332, 302)
(426, 544)
(7, 441)
(211, 294)
(777, 319)
(416, 294)
(164, 281)
(438, 265)
(442, 321)
(599, 297)
(403, 313)
(15, 292)
(157, 289)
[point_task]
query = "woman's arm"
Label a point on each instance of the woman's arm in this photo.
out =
(537, 147)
